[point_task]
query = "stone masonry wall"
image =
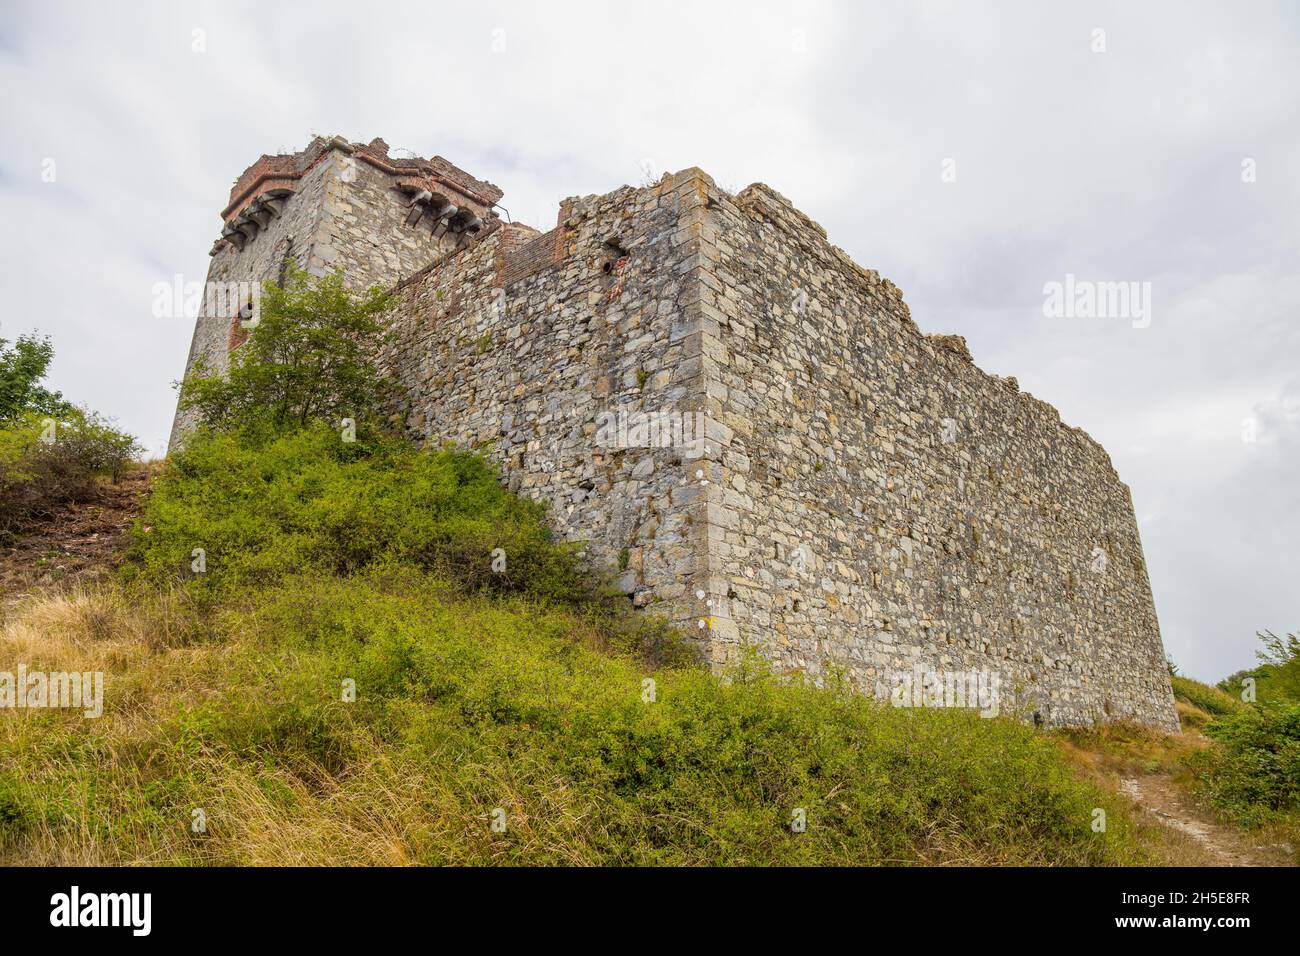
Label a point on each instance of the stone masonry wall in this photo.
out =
(865, 501)
(887, 504)
(525, 345)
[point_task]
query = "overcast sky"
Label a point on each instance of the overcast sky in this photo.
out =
(970, 152)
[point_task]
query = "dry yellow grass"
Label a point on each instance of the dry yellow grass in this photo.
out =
(140, 647)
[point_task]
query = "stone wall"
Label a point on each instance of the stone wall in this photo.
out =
(888, 504)
(535, 349)
(865, 500)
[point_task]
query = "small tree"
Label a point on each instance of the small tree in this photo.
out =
(1279, 669)
(1277, 678)
(22, 366)
(311, 356)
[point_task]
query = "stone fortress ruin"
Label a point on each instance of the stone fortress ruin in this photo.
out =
(744, 422)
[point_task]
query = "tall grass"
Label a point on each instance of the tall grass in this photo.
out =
(1210, 700)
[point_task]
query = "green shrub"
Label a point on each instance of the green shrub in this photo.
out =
(46, 463)
(51, 452)
(1253, 773)
(310, 357)
(261, 508)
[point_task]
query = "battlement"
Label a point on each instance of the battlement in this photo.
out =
(433, 187)
(337, 205)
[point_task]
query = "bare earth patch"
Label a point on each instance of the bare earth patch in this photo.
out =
(1219, 845)
(80, 542)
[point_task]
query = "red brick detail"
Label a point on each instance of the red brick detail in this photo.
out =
(528, 256)
(238, 334)
(267, 173)
(284, 170)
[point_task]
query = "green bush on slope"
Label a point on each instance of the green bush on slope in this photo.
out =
(1253, 775)
(304, 502)
(51, 452)
(46, 462)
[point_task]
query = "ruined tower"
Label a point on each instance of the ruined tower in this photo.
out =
(750, 427)
(334, 205)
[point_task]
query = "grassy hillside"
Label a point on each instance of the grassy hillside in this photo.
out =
(1199, 703)
(1232, 774)
(524, 696)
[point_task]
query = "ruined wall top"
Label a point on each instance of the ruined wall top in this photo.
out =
(285, 169)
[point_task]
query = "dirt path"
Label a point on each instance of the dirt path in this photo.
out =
(81, 541)
(1220, 845)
